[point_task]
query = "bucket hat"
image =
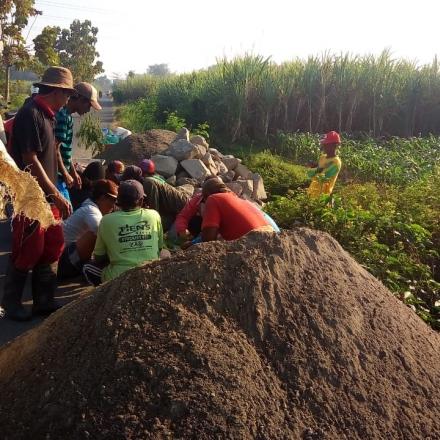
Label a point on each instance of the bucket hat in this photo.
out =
(89, 92)
(58, 77)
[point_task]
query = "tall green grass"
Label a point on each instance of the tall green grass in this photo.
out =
(251, 97)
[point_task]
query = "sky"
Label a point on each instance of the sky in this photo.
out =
(192, 34)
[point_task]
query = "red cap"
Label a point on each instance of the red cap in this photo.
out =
(147, 166)
(332, 137)
(116, 166)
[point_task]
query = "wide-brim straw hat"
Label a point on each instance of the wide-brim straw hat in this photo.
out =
(58, 77)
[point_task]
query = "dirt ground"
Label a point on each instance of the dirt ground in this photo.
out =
(136, 147)
(267, 337)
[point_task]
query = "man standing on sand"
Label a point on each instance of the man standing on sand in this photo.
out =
(86, 97)
(325, 173)
(34, 150)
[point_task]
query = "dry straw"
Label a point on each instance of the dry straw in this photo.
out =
(24, 192)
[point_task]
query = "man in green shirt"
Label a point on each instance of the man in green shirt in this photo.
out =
(126, 238)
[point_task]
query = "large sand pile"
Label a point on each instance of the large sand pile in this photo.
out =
(136, 147)
(269, 337)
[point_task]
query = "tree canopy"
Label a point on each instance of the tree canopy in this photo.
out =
(46, 53)
(14, 16)
(158, 69)
(74, 48)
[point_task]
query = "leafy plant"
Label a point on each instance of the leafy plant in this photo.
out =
(279, 175)
(90, 134)
(202, 129)
(139, 116)
(174, 122)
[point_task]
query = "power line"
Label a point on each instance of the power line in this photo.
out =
(75, 7)
(29, 31)
(58, 17)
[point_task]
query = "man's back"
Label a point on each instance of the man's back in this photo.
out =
(128, 238)
(163, 197)
(231, 215)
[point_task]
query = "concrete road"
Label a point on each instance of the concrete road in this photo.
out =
(66, 291)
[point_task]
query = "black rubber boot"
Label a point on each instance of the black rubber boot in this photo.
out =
(15, 281)
(44, 284)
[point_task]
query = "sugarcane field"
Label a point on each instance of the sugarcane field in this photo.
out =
(223, 228)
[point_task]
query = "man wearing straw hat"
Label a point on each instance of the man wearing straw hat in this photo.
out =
(34, 150)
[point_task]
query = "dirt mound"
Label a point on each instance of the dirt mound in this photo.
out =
(268, 337)
(136, 147)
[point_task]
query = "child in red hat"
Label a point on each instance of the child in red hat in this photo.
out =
(324, 176)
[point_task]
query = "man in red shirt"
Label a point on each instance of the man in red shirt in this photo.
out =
(34, 150)
(228, 215)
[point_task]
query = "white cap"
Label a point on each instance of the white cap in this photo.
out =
(88, 91)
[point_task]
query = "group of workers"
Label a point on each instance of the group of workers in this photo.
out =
(114, 218)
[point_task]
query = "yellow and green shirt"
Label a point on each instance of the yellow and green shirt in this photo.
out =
(324, 177)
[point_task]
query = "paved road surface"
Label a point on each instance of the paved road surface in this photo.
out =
(66, 292)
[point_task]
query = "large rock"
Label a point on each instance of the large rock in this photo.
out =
(228, 177)
(199, 140)
(181, 173)
(222, 168)
(196, 169)
(165, 165)
(182, 134)
(182, 149)
(243, 171)
(231, 162)
(247, 186)
(210, 164)
(235, 187)
(172, 180)
(215, 153)
(258, 193)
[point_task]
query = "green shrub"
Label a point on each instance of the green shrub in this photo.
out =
(174, 122)
(139, 116)
(90, 134)
(279, 176)
(372, 223)
(202, 129)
